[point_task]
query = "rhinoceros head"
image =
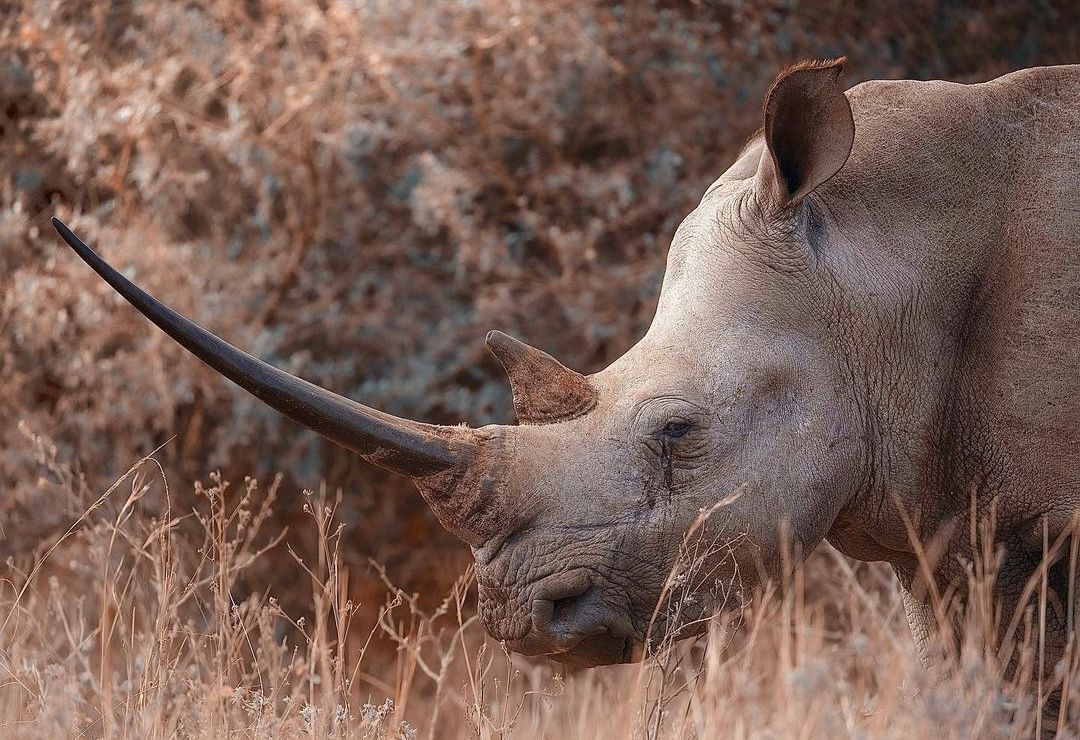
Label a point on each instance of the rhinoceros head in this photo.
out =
(730, 420)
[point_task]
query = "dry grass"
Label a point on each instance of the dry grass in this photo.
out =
(133, 626)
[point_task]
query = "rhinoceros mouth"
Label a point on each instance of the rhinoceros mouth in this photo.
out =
(584, 650)
(602, 650)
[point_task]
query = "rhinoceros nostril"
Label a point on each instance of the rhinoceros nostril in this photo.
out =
(563, 609)
(555, 606)
(575, 622)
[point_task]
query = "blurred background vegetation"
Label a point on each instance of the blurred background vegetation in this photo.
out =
(356, 192)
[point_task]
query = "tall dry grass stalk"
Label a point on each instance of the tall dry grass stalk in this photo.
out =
(138, 626)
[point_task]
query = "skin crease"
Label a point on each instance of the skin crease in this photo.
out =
(893, 345)
(868, 332)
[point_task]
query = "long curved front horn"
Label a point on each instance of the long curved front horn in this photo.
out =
(400, 445)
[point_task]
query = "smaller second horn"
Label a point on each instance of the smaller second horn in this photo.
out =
(545, 391)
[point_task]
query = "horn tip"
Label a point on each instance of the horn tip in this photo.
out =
(497, 340)
(66, 234)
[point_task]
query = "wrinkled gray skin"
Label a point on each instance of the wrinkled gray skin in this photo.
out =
(903, 337)
(868, 332)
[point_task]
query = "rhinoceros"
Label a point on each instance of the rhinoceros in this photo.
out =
(868, 333)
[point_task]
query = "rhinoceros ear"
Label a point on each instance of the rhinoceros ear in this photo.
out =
(808, 129)
(545, 391)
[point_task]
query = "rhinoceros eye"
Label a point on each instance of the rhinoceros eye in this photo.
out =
(675, 429)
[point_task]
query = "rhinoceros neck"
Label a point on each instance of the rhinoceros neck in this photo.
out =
(959, 219)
